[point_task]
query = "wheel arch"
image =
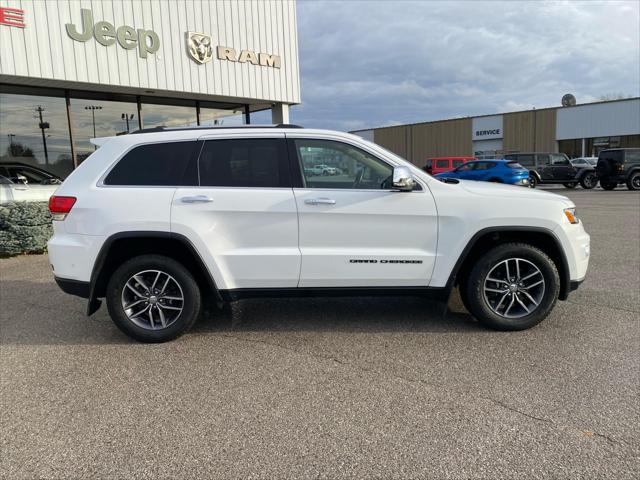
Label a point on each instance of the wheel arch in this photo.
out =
(125, 245)
(539, 237)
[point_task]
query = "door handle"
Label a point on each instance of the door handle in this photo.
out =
(320, 201)
(196, 199)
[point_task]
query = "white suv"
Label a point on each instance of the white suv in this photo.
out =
(154, 220)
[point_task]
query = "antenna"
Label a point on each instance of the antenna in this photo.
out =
(568, 100)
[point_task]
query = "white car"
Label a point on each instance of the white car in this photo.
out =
(25, 183)
(153, 221)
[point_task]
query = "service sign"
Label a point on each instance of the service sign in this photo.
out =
(487, 128)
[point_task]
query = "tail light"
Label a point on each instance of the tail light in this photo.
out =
(60, 206)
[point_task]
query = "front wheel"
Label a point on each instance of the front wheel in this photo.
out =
(153, 298)
(589, 181)
(533, 181)
(513, 286)
(570, 185)
(633, 182)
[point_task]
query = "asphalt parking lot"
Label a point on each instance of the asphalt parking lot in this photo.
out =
(328, 388)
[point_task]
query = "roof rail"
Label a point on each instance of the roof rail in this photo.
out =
(164, 128)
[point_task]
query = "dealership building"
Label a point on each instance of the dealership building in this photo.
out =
(71, 71)
(579, 130)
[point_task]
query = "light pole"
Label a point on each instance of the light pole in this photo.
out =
(93, 109)
(11, 136)
(126, 118)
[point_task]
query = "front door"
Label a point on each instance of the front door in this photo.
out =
(242, 216)
(354, 230)
(563, 170)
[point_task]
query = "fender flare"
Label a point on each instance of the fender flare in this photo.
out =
(565, 275)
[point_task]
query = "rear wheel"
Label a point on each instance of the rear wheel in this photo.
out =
(153, 298)
(513, 286)
(570, 185)
(589, 181)
(633, 182)
(608, 185)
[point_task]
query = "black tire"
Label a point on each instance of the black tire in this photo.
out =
(608, 185)
(496, 180)
(478, 305)
(570, 185)
(189, 290)
(633, 182)
(533, 181)
(589, 181)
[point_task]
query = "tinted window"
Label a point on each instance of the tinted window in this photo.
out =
(157, 164)
(428, 164)
(467, 166)
(442, 163)
(525, 160)
(611, 155)
(543, 159)
(329, 164)
(457, 163)
(632, 156)
(257, 162)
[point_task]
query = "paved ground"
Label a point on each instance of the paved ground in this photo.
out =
(331, 388)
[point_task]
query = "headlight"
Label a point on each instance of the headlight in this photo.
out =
(570, 213)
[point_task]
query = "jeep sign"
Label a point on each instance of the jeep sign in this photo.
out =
(106, 34)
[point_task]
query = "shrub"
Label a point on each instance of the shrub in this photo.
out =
(25, 227)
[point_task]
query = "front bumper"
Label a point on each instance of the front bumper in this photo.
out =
(523, 182)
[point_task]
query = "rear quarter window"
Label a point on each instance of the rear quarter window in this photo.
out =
(157, 164)
(442, 163)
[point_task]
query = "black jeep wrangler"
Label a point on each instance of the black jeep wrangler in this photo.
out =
(555, 168)
(619, 165)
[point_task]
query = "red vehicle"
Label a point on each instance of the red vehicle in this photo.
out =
(445, 164)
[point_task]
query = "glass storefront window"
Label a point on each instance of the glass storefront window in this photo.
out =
(100, 118)
(215, 116)
(34, 131)
(155, 115)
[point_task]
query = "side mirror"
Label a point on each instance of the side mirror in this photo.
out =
(403, 180)
(22, 179)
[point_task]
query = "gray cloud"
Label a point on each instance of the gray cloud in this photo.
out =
(373, 63)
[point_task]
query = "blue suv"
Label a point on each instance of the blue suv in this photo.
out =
(498, 170)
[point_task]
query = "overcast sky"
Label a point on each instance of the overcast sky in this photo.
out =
(373, 63)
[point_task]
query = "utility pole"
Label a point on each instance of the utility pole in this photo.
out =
(126, 118)
(11, 136)
(93, 109)
(43, 126)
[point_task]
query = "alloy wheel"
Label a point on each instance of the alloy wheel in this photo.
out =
(152, 299)
(514, 288)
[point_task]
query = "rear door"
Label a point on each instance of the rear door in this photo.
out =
(242, 217)
(355, 231)
(544, 168)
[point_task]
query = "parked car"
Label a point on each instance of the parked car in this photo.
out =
(20, 182)
(444, 164)
(619, 165)
(321, 170)
(498, 171)
(549, 168)
(229, 212)
(584, 161)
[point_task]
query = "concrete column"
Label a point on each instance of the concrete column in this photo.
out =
(583, 146)
(280, 113)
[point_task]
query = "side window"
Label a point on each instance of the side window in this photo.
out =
(457, 163)
(632, 156)
(442, 163)
(329, 164)
(255, 162)
(28, 175)
(467, 167)
(157, 164)
(524, 160)
(544, 159)
(559, 160)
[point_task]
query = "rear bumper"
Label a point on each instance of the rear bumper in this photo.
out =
(74, 287)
